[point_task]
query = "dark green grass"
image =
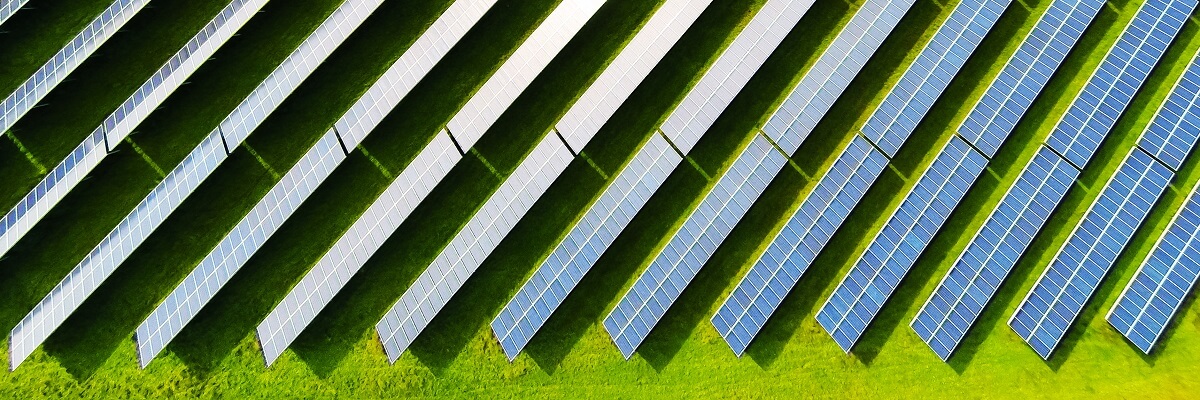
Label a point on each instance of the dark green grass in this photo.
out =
(572, 356)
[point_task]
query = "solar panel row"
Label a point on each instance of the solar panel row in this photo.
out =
(1110, 89)
(34, 89)
(891, 254)
(302, 180)
(725, 78)
(1059, 295)
(471, 246)
(987, 125)
(88, 154)
(600, 226)
(675, 266)
(760, 292)
(409, 316)
(1164, 280)
(1158, 288)
(977, 273)
(791, 123)
(557, 276)
(8, 8)
(1026, 73)
(418, 179)
(180, 182)
(929, 74)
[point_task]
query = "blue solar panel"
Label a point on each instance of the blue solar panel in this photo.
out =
(1160, 285)
(861, 294)
(8, 8)
(1110, 89)
(1175, 127)
(974, 278)
(675, 266)
(791, 252)
(925, 79)
(1060, 293)
(1026, 73)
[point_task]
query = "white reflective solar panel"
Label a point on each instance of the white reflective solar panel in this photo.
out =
(841, 61)
(68, 58)
(202, 284)
(1026, 73)
(930, 73)
(1110, 89)
(726, 77)
(978, 272)
(419, 178)
(10, 7)
(664, 280)
(1060, 294)
(578, 126)
(180, 182)
(88, 154)
(793, 249)
(1160, 285)
(471, 246)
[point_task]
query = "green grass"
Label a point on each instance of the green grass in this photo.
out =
(216, 356)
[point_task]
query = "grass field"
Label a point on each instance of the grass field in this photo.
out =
(338, 355)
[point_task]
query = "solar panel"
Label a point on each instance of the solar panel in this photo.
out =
(938, 62)
(470, 247)
(529, 309)
(88, 154)
(1026, 73)
(1174, 130)
(726, 77)
(1158, 288)
(973, 279)
(891, 254)
(1110, 89)
(180, 182)
(8, 8)
(778, 269)
(1059, 295)
(201, 285)
(791, 123)
(384, 216)
(68, 58)
(675, 266)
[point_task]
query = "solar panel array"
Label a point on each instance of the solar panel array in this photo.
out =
(725, 78)
(578, 126)
(1026, 73)
(68, 58)
(8, 8)
(1065, 286)
(471, 246)
(418, 179)
(88, 154)
(201, 285)
(1094, 112)
(761, 291)
(891, 254)
(977, 273)
(638, 180)
(1059, 295)
(831, 73)
(675, 266)
(180, 182)
(791, 123)
(409, 316)
(1160, 285)
(929, 74)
